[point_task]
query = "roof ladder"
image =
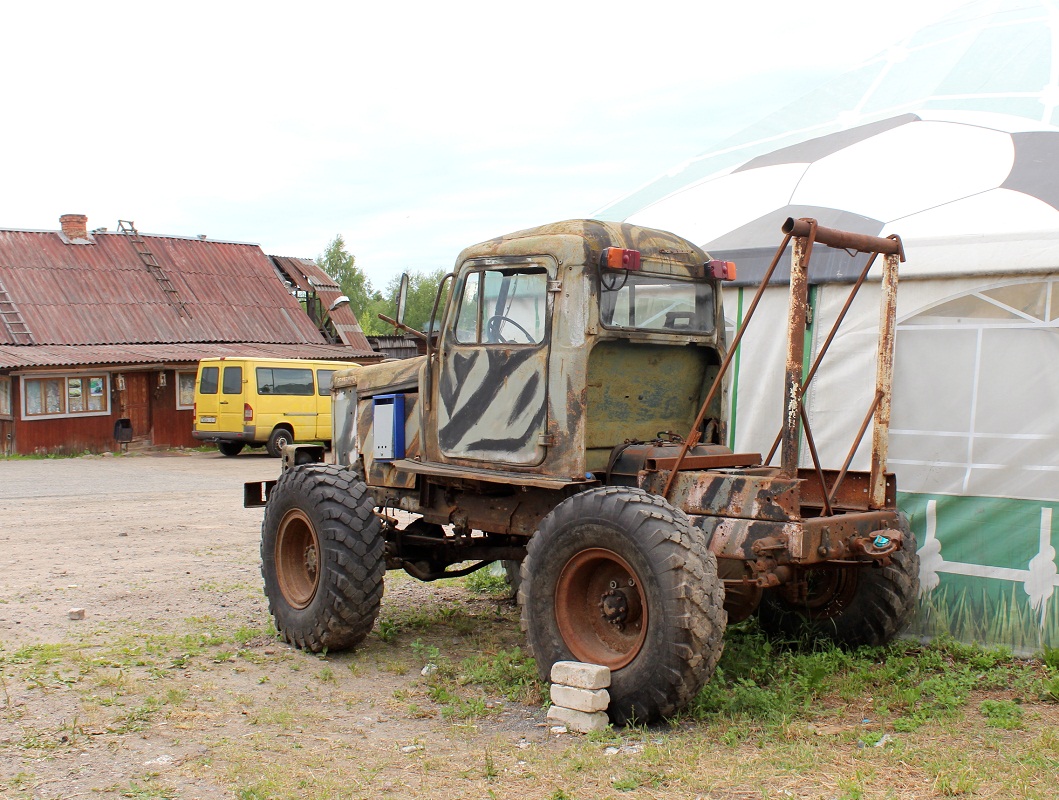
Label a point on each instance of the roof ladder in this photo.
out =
(12, 319)
(128, 227)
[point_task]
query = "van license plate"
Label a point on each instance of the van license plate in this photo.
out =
(207, 419)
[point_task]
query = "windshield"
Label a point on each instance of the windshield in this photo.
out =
(655, 303)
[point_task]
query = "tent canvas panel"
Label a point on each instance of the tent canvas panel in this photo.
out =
(973, 434)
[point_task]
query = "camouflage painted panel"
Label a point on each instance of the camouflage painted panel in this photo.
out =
(493, 404)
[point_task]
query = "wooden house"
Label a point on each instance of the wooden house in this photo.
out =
(101, 332)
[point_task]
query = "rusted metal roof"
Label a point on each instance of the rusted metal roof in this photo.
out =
(100, 292)
(22, 357)
(308, 277)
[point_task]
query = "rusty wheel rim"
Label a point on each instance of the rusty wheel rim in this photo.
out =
(601, 609)
(297, 559)
(828, 592)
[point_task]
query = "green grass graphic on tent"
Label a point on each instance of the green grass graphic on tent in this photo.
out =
(988, 569)
(971, 611)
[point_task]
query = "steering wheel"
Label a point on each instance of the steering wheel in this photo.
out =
(493, 325)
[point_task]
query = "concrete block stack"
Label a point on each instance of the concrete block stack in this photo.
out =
(579, 696)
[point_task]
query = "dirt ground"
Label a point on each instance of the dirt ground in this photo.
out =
(156, 548)
(126, 538)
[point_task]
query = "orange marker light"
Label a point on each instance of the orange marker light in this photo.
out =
(722, 270)
(620, 258)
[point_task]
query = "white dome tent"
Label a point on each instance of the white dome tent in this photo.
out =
(948, 141)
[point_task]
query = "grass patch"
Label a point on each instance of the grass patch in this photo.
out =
(491, 581)
(761, 682)
(1001, 714)
(511, 673)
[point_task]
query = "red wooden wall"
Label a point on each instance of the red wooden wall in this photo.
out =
(169, 427)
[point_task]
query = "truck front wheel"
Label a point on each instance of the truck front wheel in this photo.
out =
(322, 557)
(618, 577)
(850, 606)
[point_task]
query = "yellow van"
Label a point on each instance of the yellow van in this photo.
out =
(249, 402)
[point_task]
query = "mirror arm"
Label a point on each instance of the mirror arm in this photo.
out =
(402, 326)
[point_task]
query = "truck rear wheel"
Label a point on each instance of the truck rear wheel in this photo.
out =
(851, 606)
(618, 577)
(230, 448)
(322, 557)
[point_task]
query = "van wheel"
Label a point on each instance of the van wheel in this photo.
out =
(230, 448)
(280, 438)
(322, 557)
(619, 577)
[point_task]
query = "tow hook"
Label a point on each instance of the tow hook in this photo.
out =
(878, 545)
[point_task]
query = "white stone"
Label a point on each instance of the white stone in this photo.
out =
(580, 676)
(580, 699)
(76, 613)
(579, 721)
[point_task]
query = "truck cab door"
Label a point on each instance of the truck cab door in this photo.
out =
(491, 398)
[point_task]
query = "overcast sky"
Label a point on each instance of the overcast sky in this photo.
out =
(413, 129)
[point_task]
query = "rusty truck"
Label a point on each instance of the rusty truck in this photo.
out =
(570, 417)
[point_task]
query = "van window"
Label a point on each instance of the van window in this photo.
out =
(208, 383)
(233, 380)
(284, 380)
(323, 380)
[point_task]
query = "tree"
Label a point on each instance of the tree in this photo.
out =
(365, 301)
(419, 302)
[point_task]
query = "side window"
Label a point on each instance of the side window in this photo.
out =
(284, 380)
(503, 307)
(467, 319)
(323, 381)
(208, 381)
(233, 381)
(266, 383)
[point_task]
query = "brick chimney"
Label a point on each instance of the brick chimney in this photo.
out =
(74, 226)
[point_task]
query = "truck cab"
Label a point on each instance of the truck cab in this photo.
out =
(557, 344)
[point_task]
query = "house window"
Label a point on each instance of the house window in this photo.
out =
(5, 396)
(65, 396)
(185, 393)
